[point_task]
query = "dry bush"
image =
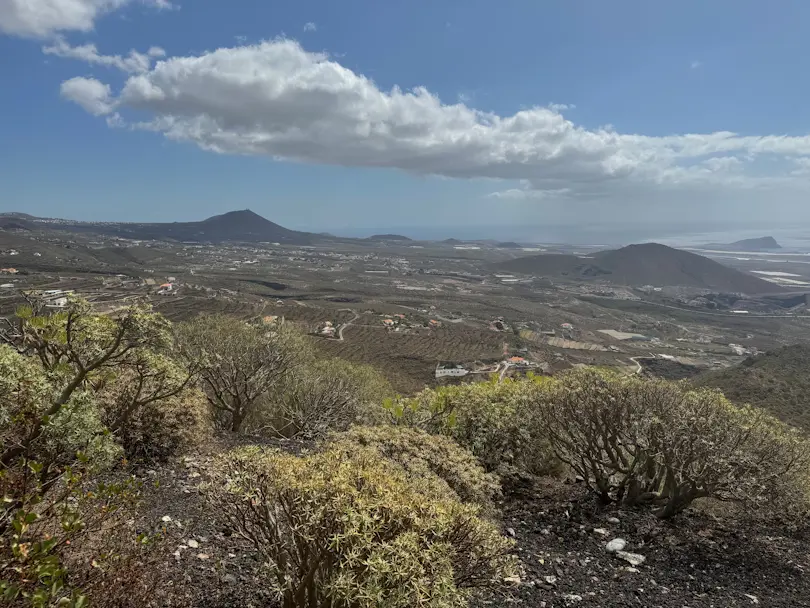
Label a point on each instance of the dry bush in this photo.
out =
(319, 396)
(654, 442)
(487, 418)
(238, 363)
(422, 455)
(351, 530)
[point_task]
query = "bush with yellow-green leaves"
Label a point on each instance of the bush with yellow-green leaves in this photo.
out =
(425, 456)
(341, 529)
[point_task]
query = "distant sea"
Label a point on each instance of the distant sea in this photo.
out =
(788, 238)
(681, 235)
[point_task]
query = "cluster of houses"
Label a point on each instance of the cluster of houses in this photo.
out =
(327, 329)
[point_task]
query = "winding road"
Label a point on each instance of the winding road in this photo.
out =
(345, 325)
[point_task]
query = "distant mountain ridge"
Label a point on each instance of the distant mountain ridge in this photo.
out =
(645, 264)
(238, 226)
(763, 243)
(388, 237)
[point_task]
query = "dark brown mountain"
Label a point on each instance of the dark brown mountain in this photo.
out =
(778, 381)
(647, 264)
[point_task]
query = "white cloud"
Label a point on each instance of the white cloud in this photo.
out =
(310, 26)
(275, 99)
(44, 18)
(696, 64)
(135, 62)
(89, 93)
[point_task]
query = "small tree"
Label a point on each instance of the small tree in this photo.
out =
(350, 530)
(58, 431)
(75, 348)
(652, 442)
(239, 362)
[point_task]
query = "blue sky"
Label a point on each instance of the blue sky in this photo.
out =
(355, 116)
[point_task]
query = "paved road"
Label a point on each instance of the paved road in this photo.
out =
(345, 325)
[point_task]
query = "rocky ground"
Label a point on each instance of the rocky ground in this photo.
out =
(698, 560)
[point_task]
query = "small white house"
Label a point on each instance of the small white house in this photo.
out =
(451, 372)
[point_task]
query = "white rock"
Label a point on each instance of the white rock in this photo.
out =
(634, 559)
(514, 580)
(165, 519)
(550, 579)
(613, 520)
(754, 599)
(617, 544)
(601, 531)
(572, 598)
(510, 532)
(203, 556)
(192, 543)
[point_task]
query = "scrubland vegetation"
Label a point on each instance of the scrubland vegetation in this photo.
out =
(386, 500)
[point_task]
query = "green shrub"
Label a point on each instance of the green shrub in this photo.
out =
(61, 432)
(351, 530)
(488, 418)
(422, 455)
(654, 442)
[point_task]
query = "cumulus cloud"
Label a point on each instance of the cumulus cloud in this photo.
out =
(44, 18)
(275, 99)
(89, 93)
(134, 62)
(310, 26)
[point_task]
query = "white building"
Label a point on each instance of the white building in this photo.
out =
(451, 372)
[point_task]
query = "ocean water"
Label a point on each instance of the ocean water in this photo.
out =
(788, 238)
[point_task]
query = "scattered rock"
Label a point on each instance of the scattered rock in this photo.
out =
(617, 544)
(192, 543)
(512, 580)
(754, 599)
(601, 531)
(165, 519)
(634, 559)
(572, 598)
(550, 580)
(613, 520)
(510, 532)
(203, 556)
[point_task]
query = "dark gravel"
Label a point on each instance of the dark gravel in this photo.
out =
(696, 560)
